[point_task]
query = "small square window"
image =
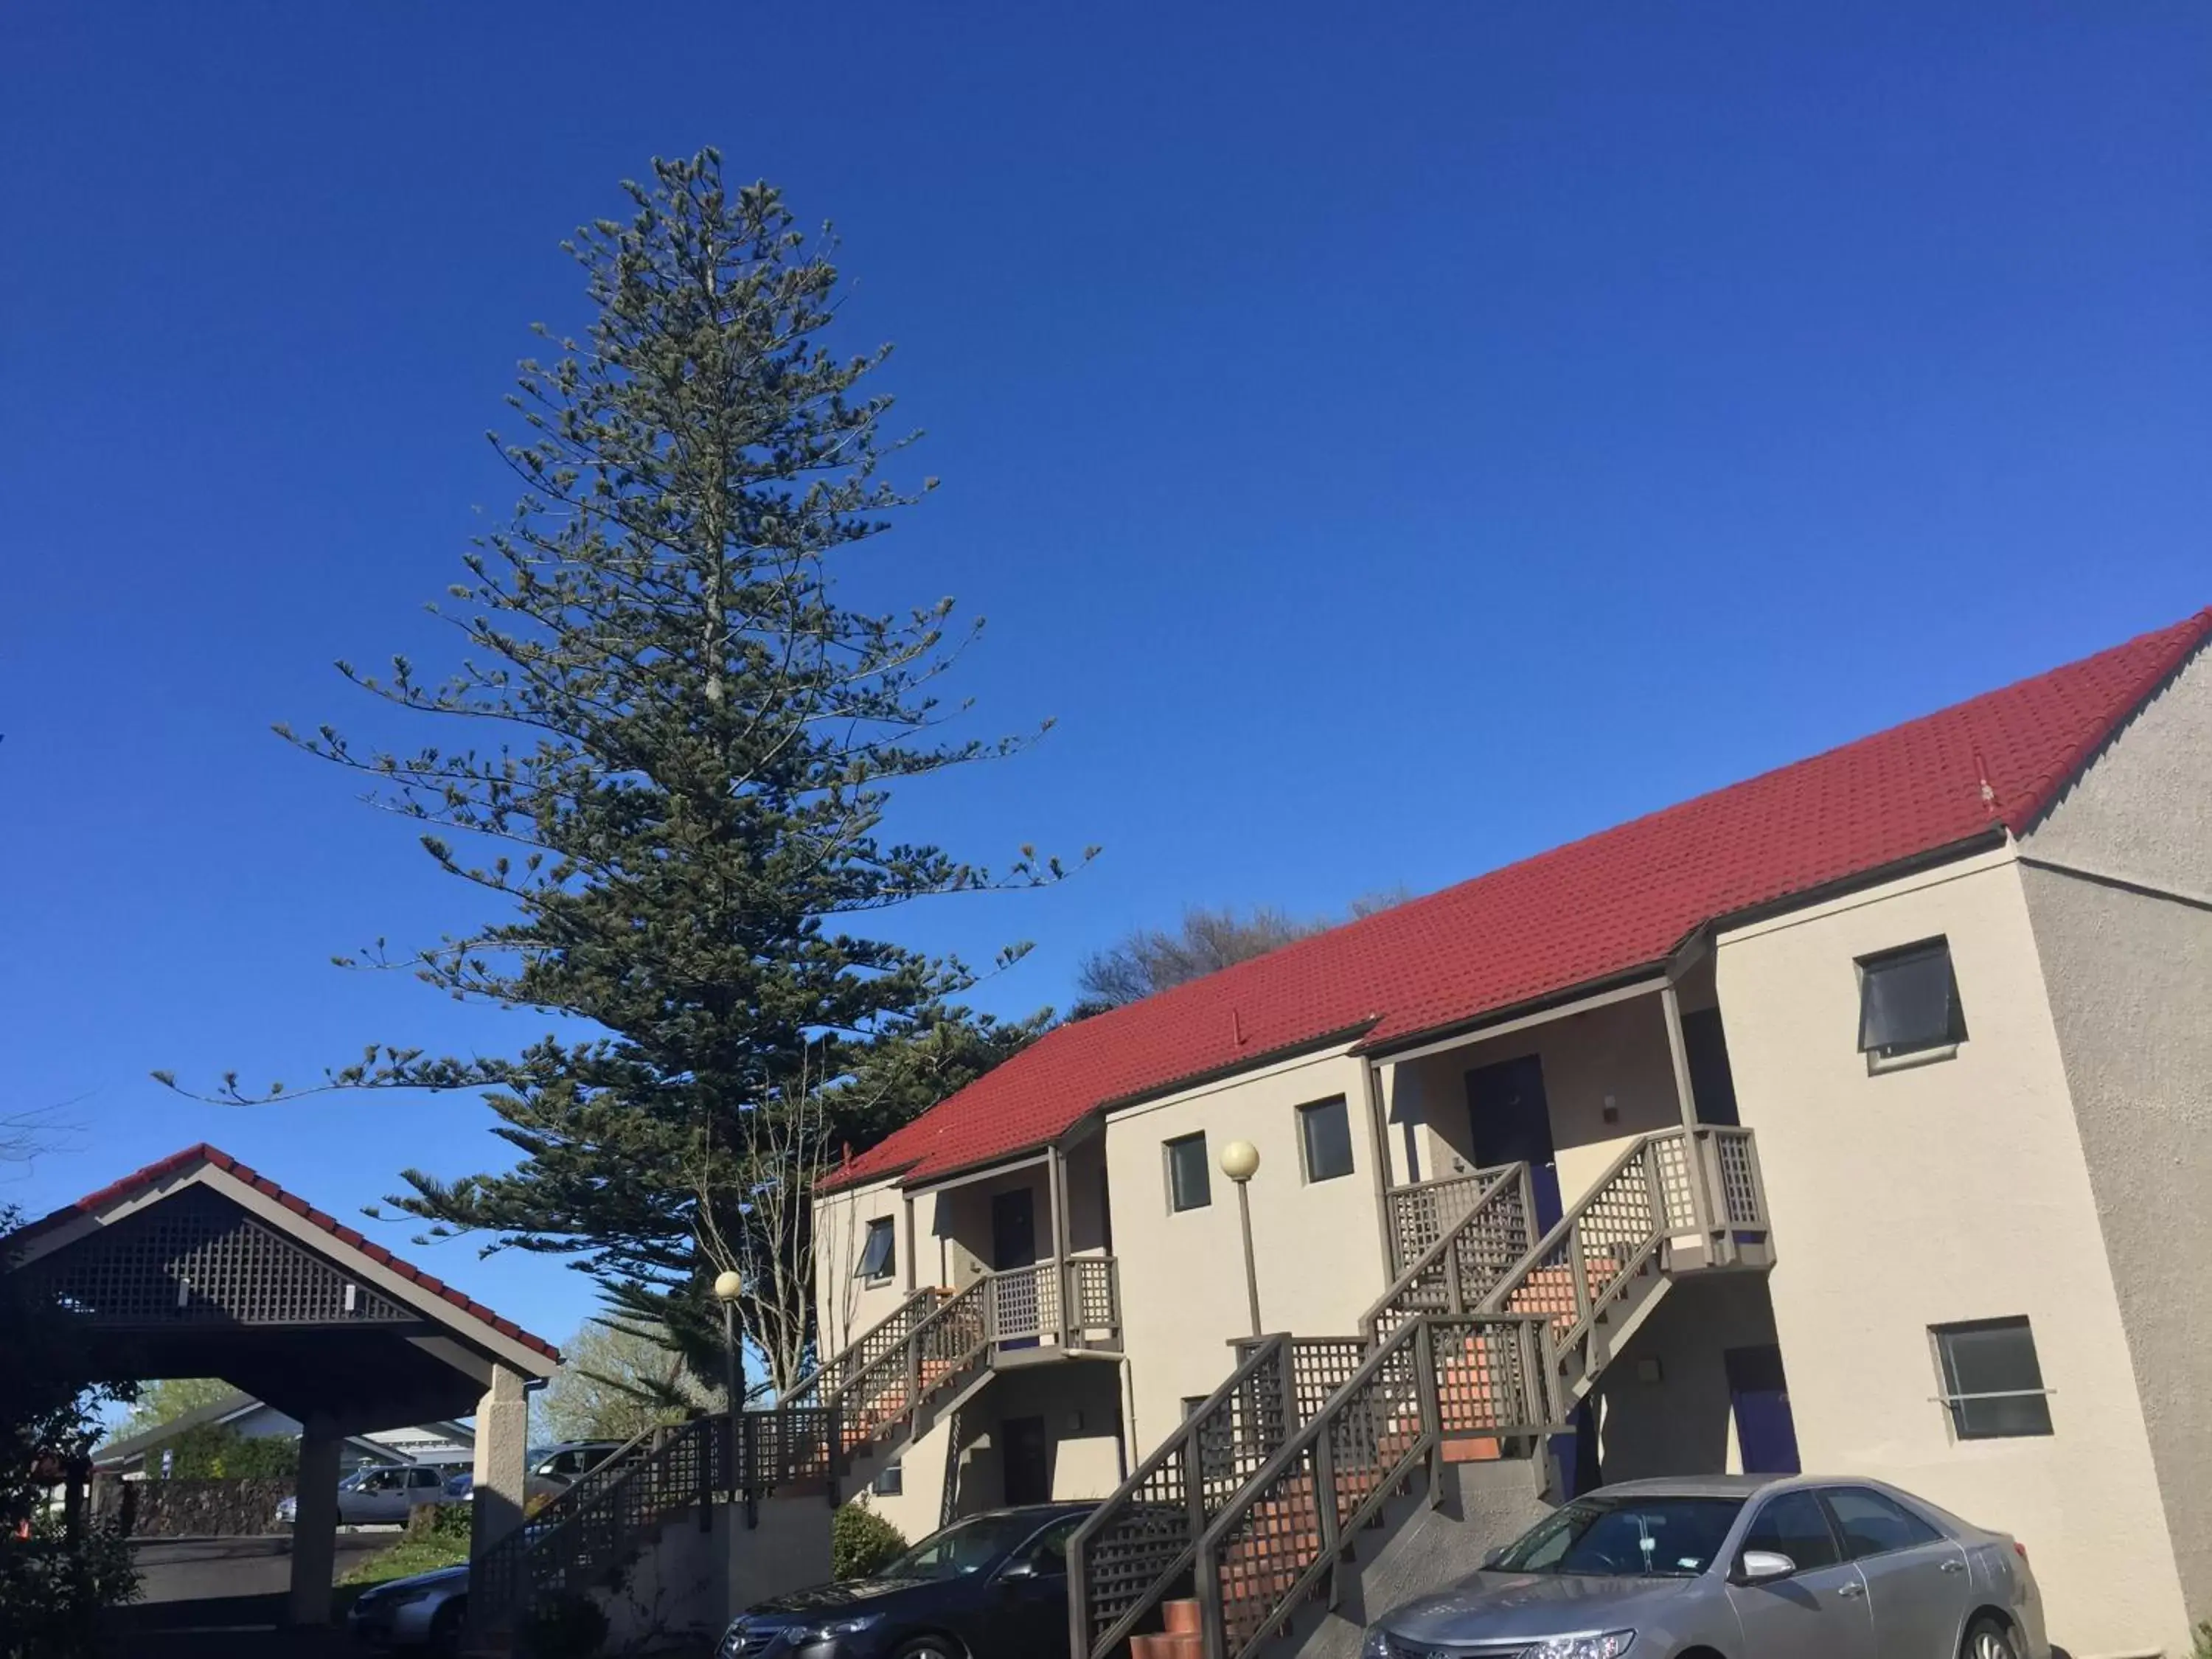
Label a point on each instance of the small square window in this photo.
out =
(1190, 1180)
(879, 1254)
(1992, 1382)
(1325, 1137)
(892, 1481)
(1909, 1002)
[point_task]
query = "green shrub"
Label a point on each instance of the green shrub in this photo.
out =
(562, 1627)
(439, 1521)
(2202, 1647)
(861, 1541)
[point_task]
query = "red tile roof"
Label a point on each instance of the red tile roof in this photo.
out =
(1594, 910)
(184, 1162)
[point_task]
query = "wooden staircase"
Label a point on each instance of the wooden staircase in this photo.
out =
(1471, 1355)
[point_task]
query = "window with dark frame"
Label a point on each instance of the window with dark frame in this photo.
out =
(1325, 1139)
(890, 1482)
(879, 1252)
(1992, 1380)
(1909, 1001)
(1190, 1180)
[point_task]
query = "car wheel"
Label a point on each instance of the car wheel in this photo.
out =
(929, 1647)
(446, 1628)
(1988, 1639)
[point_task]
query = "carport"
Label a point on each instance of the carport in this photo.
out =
(199, 1266)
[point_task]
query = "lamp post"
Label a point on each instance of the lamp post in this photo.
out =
(729, 1286)
(1240, 1162)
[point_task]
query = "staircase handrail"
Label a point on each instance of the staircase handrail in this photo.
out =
(1634, 1177)
(1507, 1183)
(913, 1303)
(1187, 1443)
(516, 1562)
(1412, 1407)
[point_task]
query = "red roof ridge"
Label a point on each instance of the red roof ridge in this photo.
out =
(191, 1156)
(1608, 903)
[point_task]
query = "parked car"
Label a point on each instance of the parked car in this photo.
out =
(1745, 1566)
(425, 1611)
(993, 1586)
(380, 1493)
(554, 1469)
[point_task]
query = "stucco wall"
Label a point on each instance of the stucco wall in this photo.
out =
(1684, 1422)
(1947, 1192)
(2130, 980)
(1318, 1245)
(845, 1306)
(1612, 1058)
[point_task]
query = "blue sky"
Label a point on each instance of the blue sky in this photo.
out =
(1390, 440)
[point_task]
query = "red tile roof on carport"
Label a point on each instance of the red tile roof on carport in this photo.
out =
(1595, 910)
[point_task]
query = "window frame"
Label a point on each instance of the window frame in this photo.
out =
(1304, 1115)
(1955, 1401)
(1168, 1150)
(884, 1227)
(891, 1479)
(1917, 1051)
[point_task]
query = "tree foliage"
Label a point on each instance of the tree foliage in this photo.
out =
(615, 1383)
(216, 1451)
(53, 1585)
(671, 754)
(1152, 959)
(171, 1398)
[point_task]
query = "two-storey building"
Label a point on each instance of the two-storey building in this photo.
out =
(1854, 1116)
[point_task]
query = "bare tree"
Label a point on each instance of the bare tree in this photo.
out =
(1151, 960)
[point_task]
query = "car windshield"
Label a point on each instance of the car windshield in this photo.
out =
(1609, 1536)
(967, 1547)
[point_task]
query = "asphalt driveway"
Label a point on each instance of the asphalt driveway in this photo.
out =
(216, 1598)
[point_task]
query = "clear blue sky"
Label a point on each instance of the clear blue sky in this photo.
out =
(1390, 439)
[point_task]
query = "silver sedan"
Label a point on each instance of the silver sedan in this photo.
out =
(1745, 1566)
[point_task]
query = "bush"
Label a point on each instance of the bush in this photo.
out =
(861, 1541)
(440, 1521)
(562, 1627)
(2202, 1647)
(52, 1592)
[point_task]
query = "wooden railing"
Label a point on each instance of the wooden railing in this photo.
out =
(1425, 1211)
(593, 1524)
(1493, 1232)
(1429, 1380)
(1132, 1551)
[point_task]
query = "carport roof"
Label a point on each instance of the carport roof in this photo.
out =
(96, 1207)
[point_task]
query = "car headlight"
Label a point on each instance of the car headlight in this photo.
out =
(1610, 1646)
(830, 1631)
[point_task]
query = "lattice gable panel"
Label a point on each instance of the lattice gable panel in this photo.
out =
(195, 1257)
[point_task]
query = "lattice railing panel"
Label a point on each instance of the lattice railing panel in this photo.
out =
(1319, 1365)
(867, 1351)
(1494, 1376)
(1025, 1303)
(1737, 1159)
(1422, 1213)
(196, 1258)
(1131, 1551)
(1096, 1293)
(1459, 1268)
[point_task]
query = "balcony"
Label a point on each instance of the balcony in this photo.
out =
(1052, 1308)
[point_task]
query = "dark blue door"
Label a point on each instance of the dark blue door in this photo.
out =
(1510, 1124)
(1766, 1433)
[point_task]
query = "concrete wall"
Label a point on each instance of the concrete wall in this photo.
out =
(1318, 1245)
(1684, 1421)
(1945, 1192)
(1612, 1061)
(2129, 973)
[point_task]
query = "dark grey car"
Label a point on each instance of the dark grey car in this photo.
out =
(1745, 1566)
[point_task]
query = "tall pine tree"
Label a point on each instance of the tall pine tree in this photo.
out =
(677, 752)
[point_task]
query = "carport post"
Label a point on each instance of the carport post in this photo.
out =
(502, 1461)
(315, 1523)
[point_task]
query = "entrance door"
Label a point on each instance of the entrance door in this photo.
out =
(1027, 1461)
(1013, 1245)
(1512, 1125)
(1766, 1433)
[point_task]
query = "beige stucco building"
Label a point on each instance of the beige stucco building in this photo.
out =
(1871, 1093)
